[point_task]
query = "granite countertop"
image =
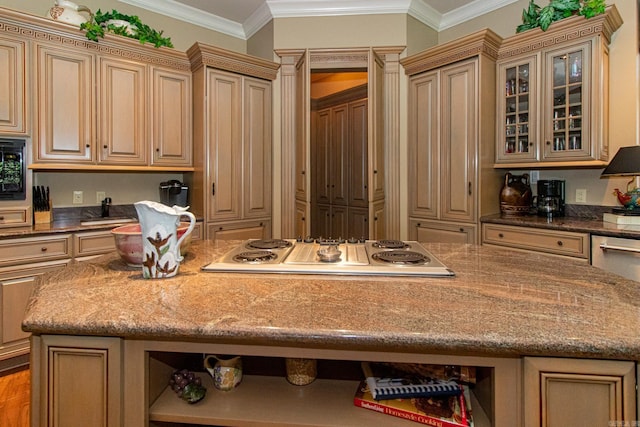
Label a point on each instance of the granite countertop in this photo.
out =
(500, 303)
(568, 223)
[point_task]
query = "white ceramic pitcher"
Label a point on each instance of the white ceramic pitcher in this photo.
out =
(160, 245)
(69, 12)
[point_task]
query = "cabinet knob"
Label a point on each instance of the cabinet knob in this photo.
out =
(105, 146)
(303, 172)
(303, 219)
(500, 235)
(560, 243)
(461, 230)
(1, 218)
(548, 142)
(88, 146)
(43, 249)
(375, 171)
(157, 150)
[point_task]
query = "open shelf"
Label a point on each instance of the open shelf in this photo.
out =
(271, 400)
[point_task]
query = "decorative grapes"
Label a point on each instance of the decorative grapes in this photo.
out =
(187, 386)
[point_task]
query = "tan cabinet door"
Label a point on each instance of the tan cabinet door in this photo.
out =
(339, 144)
(257, 145)
(321, 147)
(572, 392)
(12, 87)
(424, 162)
(122, 112)
(459, 140)
(171, 116)
(65, 105)
(225, 145)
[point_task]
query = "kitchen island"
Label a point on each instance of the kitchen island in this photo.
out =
(505, 313)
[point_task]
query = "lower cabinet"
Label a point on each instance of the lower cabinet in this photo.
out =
(105, 381)
(564, 243)
(16, 285)
(76, 381)
(240, 230)
(441, 232)
(571, 392)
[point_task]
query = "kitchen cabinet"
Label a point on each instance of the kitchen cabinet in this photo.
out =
(562, 392)
(451, 138)
(340, 165)
(553, 94)
(23, 260)
(232, 182)
(112, 105)
(15, 217)
(13, 88)
(171, 133)
(122, 112)
(556, 242)
(84, 377)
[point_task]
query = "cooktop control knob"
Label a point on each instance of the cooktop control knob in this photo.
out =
(352, 240)
(309, 239)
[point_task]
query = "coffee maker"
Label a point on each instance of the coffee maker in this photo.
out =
(550, 199)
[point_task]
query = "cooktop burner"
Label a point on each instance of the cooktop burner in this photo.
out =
(357, 257)
(268, 244)
(255, 257)
(390, 244)
(400, 257)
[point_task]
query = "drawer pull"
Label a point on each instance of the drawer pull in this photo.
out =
(560, 243)
(606, 247)
(1, 218)
(500, 235)
(43, 249)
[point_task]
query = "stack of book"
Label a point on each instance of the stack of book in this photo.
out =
(428, 394)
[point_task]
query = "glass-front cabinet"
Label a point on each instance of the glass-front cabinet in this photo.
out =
(567, 99)
(517, 108)
(552, 94)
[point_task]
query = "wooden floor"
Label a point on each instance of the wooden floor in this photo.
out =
(14, 398)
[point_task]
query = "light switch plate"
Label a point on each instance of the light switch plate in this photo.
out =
(77, 197)
(581, 195)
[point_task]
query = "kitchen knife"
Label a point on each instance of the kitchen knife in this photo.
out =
(35, 199)
(47, 199)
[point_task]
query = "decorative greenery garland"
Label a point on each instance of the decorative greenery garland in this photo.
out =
(535, 16)
(97, 26)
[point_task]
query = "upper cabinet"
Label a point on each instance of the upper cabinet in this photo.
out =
(115, 104)
(552, 94)
(13, 87)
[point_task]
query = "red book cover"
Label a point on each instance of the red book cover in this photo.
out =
(446, 411)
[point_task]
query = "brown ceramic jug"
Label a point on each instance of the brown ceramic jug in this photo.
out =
(515, 196)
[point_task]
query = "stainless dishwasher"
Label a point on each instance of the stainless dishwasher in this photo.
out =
(617, 255)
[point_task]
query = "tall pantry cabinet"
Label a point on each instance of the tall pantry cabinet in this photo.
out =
(231, 183)
(451, 145)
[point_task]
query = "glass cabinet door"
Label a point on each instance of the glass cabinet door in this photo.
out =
(516, 130)
(566, 93)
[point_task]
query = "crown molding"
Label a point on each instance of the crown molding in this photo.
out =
(271, 9)
(191, 15)
(470, 11)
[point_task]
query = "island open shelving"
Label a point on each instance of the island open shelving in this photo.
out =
(265, 397)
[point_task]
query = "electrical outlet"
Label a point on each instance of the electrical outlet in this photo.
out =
(100, 195)
(77, 197)
(581, 195)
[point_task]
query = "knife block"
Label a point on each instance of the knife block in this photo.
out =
(43, 217)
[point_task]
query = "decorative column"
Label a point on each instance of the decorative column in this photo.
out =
(288, 81)
(391, 59)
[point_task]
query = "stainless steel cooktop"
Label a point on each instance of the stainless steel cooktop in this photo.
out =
(321, 256)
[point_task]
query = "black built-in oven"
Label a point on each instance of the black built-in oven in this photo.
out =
(12, 169)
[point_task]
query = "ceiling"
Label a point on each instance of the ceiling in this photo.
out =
(243, 18)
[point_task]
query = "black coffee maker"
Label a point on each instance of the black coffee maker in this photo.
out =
(550, 199)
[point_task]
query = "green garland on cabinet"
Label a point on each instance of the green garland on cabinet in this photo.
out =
(98, 25)
(535, 16)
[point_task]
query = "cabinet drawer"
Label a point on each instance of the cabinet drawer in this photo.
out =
(241, 230)
(536, 239)
(93, 243)
(17, 217)
(35, 249)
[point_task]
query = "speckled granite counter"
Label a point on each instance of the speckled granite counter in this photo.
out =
(500, 303)
(568, 223)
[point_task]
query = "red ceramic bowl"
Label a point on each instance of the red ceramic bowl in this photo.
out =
(128, 240)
